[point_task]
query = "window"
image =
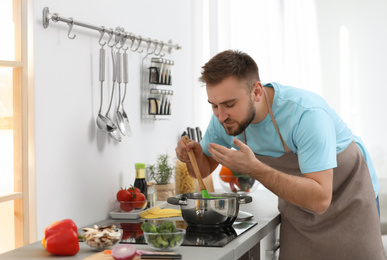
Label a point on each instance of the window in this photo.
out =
(17, 174)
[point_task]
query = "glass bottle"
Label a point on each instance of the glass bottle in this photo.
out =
(140, 181)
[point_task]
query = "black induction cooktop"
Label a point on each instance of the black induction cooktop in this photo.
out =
(213, 237)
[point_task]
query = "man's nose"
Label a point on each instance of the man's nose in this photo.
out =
(222, 115)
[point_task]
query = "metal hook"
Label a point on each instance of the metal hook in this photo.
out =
(124, 38)
(118, 40)
(110, 38)
(71, 24)
(133, 38)
(149, 42)
(161, 48)
(130, 35)
(139, 43)
(156, 43)
(100, 38)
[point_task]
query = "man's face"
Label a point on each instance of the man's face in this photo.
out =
(232, 105)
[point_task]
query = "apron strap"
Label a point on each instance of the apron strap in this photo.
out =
(286, 148)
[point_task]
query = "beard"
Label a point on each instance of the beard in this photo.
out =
(240, 126)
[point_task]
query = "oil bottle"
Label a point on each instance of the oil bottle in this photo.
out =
(140, 181)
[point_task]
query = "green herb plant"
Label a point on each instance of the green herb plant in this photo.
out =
(162, 171)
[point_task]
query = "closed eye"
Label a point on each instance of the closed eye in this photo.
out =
(228, 103)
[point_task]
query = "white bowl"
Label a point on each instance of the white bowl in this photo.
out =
(102, 239)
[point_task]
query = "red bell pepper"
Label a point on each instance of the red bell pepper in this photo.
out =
(61, 238)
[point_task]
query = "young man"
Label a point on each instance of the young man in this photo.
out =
(294, 144)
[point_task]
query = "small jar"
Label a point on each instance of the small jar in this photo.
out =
(152, 194)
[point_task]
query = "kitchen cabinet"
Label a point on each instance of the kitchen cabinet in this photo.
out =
(269, 246)
(266, 249)
(253, 244)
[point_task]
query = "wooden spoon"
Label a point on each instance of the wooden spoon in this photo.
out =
(195, 166)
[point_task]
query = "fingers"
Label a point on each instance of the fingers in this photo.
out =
(182, 150)
(236, 160)
(218, 153)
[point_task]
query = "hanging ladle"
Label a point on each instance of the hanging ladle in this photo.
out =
(104, 123)
(195, 166)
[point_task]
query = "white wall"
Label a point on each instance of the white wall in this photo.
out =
(365, 23)
(79, 169)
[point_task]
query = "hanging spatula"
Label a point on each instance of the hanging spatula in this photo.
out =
(195, 166)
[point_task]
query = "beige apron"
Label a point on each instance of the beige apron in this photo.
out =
(349, 229)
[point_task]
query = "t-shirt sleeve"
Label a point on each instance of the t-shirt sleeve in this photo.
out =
(315, 140)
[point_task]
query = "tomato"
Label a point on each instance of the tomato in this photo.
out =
(134, 190)
(123, 195)
(126, 206)
(139, 200)
(226, 175)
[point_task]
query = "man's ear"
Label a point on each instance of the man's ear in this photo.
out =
(257, 91)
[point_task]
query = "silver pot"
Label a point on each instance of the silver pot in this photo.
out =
(209, 213)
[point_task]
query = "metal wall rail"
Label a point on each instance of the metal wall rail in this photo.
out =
(118, 32)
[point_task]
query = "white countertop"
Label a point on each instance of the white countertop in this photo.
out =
(263, 207)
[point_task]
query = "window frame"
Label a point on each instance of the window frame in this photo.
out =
(24, 195)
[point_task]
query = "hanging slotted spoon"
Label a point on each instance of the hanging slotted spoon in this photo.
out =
(126, 80)
(118, 115)
(195, 166)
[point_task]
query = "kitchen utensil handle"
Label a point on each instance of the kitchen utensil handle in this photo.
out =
(194, 165)
(244, 199)
(161, 256)
(114, 66)
(198, 134)
(193, 135)
(176, 201)
(118, 67)
(102, 65)
(125, 69)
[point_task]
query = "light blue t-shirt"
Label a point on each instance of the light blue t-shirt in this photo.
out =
(309, 127)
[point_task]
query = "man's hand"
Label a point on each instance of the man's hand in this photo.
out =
(206, 164)
(238, 161)
(182, 150)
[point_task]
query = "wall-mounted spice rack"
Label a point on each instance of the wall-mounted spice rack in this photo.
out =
(157, 78)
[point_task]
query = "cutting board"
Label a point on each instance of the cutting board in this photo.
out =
(100, 256)
(103, 256)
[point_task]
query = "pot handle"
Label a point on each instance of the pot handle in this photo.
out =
(244, 199)
(177, 200)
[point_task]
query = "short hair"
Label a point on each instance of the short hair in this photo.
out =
(230, 63)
